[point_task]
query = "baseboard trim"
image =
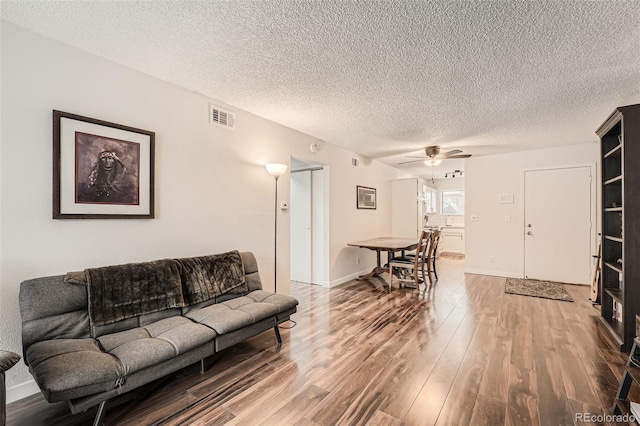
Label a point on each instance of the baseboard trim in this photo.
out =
(492, 273)
(23, 390)
(348, 278)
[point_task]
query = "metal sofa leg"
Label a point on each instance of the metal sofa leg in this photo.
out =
(102, 409)
(278, 335)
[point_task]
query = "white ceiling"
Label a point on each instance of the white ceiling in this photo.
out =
(381, 78)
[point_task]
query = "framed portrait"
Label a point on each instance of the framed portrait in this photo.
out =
(101, 170)
(365, 197)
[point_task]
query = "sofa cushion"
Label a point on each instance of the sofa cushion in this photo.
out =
(282, 301)
(111, 341)
(142, 353)
(205, 277)
(221, 318)
(146, 346)
(242, 311)
(52, 309)
(251, 275)
(62, 365)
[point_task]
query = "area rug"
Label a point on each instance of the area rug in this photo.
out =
(536, 288)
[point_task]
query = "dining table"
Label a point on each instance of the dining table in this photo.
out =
(388, 244)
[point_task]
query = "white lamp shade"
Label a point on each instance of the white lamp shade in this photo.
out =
(276, 169)
(432, 162)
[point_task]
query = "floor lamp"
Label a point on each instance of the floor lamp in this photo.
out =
(276, 170)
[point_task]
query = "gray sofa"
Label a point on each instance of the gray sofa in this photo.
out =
(92, 335)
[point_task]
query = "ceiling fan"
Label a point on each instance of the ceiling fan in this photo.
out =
(434, 156)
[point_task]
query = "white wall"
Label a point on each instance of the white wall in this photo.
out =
(489, 177)
(213, 193)
(348, 224)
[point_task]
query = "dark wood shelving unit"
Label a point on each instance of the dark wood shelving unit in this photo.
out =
(620, 173)
(621, 403)
(613, 326)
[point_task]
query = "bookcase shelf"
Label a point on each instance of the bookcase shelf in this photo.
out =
(615, 151)
(615, 293)
(617, 268)
(613, 180)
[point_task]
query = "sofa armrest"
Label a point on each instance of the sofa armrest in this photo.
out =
(8, 360)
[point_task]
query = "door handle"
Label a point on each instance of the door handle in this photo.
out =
(529, 233)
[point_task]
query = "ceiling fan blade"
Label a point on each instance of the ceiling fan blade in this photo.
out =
(450, 153)
(456, 156)
(412, 161)
(413, 156)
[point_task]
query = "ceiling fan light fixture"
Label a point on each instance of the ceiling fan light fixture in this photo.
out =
(431, 162)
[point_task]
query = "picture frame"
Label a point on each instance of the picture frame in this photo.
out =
(101, 170)
(366, 197)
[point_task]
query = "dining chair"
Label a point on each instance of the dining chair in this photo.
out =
(432, 255)
(411, 268)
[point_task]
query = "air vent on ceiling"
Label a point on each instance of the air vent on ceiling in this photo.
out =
(222, 117)
(355, 162)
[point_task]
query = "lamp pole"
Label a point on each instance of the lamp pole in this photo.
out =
(275, 170)
(275, 240)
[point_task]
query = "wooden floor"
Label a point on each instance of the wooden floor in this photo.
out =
(464, 353)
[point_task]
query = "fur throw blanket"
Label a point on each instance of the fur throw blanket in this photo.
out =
(125, 291)
(206, 277)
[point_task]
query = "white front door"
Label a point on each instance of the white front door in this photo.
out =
(557, 224)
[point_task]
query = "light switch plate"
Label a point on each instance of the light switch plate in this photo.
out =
(474, 218)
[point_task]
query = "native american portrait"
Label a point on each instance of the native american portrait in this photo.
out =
(107, 170)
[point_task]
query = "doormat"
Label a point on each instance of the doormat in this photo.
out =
(537, 288)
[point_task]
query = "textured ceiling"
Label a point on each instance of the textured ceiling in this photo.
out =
(381, 78)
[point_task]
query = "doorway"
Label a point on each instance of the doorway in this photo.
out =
(559, 212)
(309, 227)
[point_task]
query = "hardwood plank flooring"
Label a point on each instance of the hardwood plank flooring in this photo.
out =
(462, 353)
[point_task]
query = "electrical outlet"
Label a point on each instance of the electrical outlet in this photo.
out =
(357, 260)
(492, 258)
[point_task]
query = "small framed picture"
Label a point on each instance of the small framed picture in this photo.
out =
(101, 170)
(365, 197)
